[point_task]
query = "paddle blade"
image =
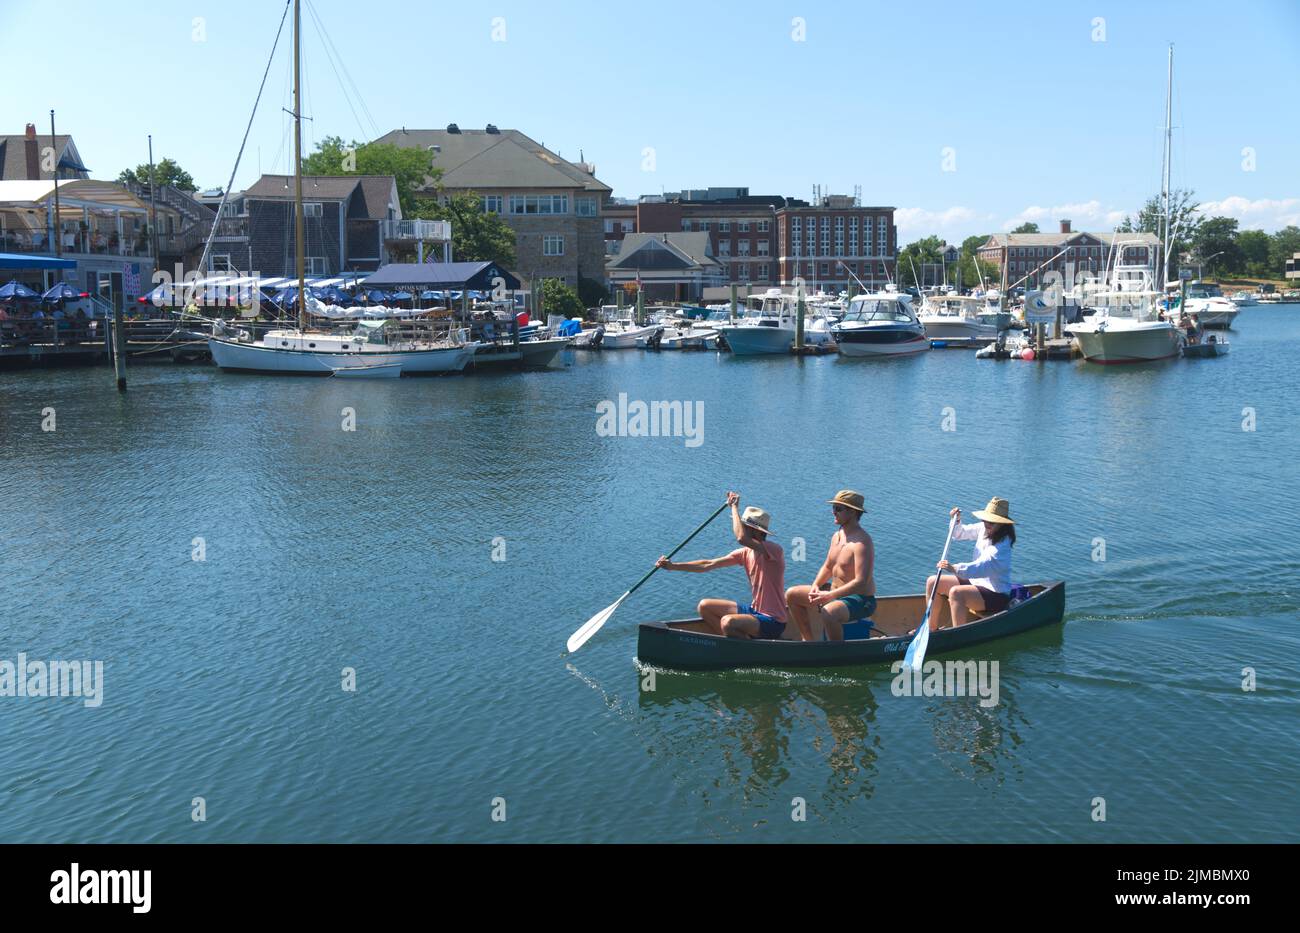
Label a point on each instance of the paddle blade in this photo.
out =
(915, 656)
(593, 625)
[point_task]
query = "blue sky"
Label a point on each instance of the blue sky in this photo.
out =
(776, 96)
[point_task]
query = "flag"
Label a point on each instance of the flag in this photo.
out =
(131, 279)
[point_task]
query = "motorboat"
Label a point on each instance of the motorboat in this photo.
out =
(968, 319)
(769, 325)
(1123, 323)
(880, 324)
(1211, 308)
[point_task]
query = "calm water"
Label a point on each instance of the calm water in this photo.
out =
(372, 549)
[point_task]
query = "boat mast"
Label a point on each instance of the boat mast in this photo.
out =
(1166, 237)
(297, 165)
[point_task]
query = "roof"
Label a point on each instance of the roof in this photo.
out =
(663, 252)
(1059, 239)
(13, 155)
(23, 261)
(376, 192)
(472, 275)
(474, 159)
(80, 190)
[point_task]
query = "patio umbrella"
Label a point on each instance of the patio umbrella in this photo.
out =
(377, 296)
(335, 294)
(401, 296)
(64, 292)
(16, 289)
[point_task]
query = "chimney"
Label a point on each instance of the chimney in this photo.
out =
(33, 154)
(1065, 226)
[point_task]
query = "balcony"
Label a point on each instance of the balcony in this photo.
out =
(435, 230)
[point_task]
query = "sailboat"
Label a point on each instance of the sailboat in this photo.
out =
(415, 348)
(1125, 325)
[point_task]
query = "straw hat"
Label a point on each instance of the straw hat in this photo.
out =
(850, 498)
(756, 518)
(996, 511)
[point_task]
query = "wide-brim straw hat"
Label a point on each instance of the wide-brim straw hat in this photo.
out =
(756, 518)
(850, 498)
(998, 510)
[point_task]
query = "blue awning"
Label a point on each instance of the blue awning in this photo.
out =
(24, 261)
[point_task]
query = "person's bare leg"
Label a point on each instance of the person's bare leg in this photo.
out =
(833, 618)
(946, 583)
(739, 626)
(796, 600)
(963, 599)
(712, 611)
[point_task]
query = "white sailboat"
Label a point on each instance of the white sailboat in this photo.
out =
(302, 350)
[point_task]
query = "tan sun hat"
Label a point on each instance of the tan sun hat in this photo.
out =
(850, 498)
(996, 511)
(755, 517)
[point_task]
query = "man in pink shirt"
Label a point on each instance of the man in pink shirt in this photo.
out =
(764, 562)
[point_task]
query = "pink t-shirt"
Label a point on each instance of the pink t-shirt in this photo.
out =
(766, 577)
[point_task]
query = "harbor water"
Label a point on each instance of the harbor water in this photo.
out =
(237, 550)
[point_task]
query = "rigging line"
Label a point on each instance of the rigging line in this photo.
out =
(225, 195)
(343, 63)
(330, 56)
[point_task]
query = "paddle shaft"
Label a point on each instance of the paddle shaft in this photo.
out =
(678, 548)
(952, 525)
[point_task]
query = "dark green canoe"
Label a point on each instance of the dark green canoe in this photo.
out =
(688, 645)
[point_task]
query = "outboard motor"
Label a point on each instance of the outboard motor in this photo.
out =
(598, 336)
(652, 343)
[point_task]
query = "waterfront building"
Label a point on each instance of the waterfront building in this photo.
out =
(553, 205)
(1035, 254)
(352, 225)
(23, 157)
(667, 266)
(1293, 266)
(827, 243)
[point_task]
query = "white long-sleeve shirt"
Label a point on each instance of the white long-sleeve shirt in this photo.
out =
(991, 567)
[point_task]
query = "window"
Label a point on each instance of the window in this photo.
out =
(724, 247)
(316, 265)
(220, 262)
(609, 226)
(539, 204)
(724, 226)
(313, 209)
(704, 225)
(552, 245)
(826, 268)
(763, 247)
(627, 226)
(743, 248)
(586, 207)
(743, 226)
(762, 226)
(492, 203)
(762, 271)
(686, 225)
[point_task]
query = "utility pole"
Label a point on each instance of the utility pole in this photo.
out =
(153, 206)
(58, 221)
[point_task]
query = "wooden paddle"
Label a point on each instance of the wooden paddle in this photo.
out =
(593, 625)
(915, 656)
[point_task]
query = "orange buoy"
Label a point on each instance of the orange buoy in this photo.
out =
(1027, 354)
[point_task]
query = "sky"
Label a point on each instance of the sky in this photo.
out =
(968, 118)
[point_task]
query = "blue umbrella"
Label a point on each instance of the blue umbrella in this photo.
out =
(289, 296)
(431, 295)
(377, 296)
(401, 296)
(335, 294)
(16, 289)
(63, 292)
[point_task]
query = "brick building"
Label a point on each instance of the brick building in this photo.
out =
(553, 205)
(1035, 254)
(825, 242)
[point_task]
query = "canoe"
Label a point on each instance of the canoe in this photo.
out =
(687, 644)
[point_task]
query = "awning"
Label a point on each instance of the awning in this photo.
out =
(24, 261)
(427, 275)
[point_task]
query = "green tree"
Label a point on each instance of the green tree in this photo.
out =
(1028, 227)
(592, 293)
(165, 172)
(1254, 250)
(914, 255)
(476, 236)
(1215, 244)
(1282, 245)
(410, 168)
(558, 298)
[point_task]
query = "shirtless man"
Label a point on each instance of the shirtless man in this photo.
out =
(850, 566)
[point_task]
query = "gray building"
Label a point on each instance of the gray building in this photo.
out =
(554, 206)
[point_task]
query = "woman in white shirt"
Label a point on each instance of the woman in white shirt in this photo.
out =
(983, 584)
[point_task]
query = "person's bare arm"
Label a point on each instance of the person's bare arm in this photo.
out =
(696, 566)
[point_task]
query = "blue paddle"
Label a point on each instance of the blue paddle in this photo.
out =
(915, 656)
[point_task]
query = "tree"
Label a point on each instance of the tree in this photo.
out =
(1215, 243)
(591, 293)
(1028, 227)
(476, 236)
(410, 168)
(915, 255)
(165, 172)
(1254, 250)
(1282, 245)
(558, 298)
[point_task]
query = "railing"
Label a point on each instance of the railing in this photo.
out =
(415, 230)
(82, 242)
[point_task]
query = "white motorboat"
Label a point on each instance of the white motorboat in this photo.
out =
(880, 324)
(1243, 299)
(1124, 324)
(769, 325)
(965, 318)
(1206, 301)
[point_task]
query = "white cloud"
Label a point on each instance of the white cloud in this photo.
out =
(1264, 214)
(1083, 215)
(952, 225)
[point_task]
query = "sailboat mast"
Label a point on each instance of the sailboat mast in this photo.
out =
(1165, 194)
(297, 165)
